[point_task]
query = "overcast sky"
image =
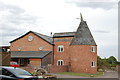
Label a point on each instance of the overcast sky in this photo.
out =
(44, 16)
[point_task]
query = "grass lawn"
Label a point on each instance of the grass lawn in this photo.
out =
(82, 74)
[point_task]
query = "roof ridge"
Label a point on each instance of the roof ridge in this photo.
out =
(40, 34)
(44, 37)
(64, 32)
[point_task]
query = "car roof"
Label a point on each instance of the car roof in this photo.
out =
(6, 67)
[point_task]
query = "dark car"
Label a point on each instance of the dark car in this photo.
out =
(3, 77)
(13, 73)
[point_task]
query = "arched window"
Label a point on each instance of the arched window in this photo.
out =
(60, 62)
(60, 48)
(93, 64)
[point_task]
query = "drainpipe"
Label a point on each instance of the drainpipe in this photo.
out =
(53, 50)
(52, 36)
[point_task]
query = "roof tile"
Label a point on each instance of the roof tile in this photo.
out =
(83, 35)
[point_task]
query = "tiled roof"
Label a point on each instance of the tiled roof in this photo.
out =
(29, 54)
(44, 37)
(64, 34)
(83, 35)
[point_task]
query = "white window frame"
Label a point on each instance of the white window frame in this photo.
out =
(61, 48)
(93, 64)
(3, 49)
(93, 48)
(21, 61)
(61, 63)
(8, 50)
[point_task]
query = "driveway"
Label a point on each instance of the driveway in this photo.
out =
(110, 74)
(67, 76)
(106, 75)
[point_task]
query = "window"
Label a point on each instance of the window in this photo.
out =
(60, 48)
(21, 61)
(30, 38)
(4, 49)
(93, 64)
(93, 48)
(60, 62)
(8, 50)
(19, 48)
(7, 73)
(28, 61)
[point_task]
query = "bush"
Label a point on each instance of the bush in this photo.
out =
(39, 72)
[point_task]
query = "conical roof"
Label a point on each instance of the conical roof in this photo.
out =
(83, 35)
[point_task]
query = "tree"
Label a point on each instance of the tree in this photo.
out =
(118, 63)
(112, 61)
(107, 62)
(99, 62)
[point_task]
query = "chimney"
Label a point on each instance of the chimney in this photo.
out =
(51, 34)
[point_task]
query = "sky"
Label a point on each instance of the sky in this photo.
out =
(17, 17)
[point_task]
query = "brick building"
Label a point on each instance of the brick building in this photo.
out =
(32, 48)
(66, 51)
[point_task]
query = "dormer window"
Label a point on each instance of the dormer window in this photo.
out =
(60, 48)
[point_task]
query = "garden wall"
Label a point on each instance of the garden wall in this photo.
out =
(55, 69)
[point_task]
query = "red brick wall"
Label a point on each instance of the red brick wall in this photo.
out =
(55, 69)
(33, 45)
(81, 59)
(62, 55)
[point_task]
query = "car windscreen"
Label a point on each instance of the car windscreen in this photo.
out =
(18, 72)
(13, 62)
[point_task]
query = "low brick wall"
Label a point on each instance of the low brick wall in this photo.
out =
(55, 69)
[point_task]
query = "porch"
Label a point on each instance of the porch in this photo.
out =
(32, 58)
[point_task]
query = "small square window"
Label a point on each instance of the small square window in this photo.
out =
(61, 48)
(93, 48)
